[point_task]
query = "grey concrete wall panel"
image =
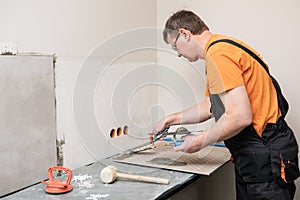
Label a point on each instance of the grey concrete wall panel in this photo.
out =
(27, 120)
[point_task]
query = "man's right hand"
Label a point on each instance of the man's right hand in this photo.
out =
(158, 127)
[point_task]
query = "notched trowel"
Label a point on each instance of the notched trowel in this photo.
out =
(142, 149)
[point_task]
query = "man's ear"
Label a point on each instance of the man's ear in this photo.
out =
(186, 33)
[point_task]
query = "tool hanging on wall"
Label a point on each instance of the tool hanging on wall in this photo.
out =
(110, 173)
(58, 186)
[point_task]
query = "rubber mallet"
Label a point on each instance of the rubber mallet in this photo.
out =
(110, 173)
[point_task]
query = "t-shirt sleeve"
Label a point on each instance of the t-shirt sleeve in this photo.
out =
(223, 72)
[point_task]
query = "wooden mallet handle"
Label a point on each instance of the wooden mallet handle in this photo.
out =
(140, 178)
(110, 174)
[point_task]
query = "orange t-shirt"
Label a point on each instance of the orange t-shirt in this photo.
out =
(228, 66)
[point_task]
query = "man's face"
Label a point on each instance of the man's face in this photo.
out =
(185, 46)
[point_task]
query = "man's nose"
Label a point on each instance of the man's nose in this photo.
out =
(179, 54)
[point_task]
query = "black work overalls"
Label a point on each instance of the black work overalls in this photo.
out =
(258, 159)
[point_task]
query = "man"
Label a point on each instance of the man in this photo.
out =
(242, 98)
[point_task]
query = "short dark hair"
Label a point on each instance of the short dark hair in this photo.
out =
(184, 19)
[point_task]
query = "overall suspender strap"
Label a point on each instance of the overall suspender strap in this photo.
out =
(251, 53)
(282, 102)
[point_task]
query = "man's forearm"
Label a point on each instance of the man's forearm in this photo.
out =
(225, 128)
(195, 114)
(237, 116)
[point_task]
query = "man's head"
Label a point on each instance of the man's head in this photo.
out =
(186, 20)
(183, 24)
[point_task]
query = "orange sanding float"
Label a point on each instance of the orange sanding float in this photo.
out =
(58, 186)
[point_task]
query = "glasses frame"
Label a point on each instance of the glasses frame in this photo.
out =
(174, 47)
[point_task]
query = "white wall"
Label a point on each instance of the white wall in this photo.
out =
(271, 27)
(72, 29)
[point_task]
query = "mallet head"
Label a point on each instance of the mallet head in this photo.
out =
(109, 174)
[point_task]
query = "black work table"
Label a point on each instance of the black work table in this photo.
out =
(119, 190)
